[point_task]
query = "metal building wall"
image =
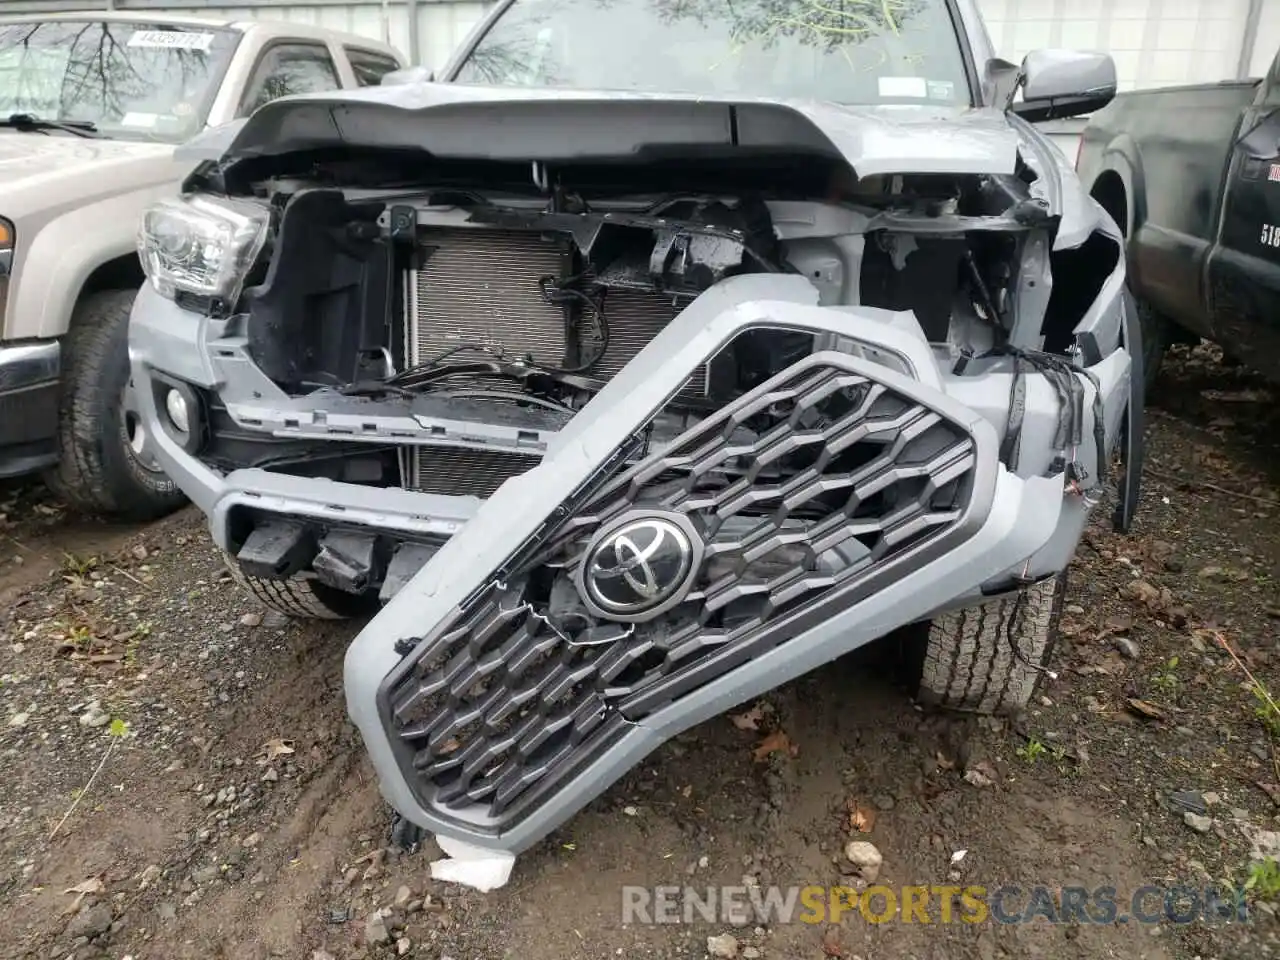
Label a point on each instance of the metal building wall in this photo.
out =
(1155, 43)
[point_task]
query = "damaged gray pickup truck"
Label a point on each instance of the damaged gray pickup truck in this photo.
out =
(631, 390)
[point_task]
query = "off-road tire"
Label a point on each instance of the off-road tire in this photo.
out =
(1157, 337)
(990, 658)
(301, 597)
(97, 470)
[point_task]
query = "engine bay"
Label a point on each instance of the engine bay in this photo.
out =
(418, 290)
(437, 338)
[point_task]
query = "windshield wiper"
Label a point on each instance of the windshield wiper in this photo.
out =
(27, 123)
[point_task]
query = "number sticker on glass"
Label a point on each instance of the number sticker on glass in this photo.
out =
(914, 87)
(171, 39)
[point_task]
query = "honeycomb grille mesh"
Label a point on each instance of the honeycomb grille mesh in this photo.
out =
(813, 483)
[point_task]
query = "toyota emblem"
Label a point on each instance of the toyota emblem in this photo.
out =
(639, 567)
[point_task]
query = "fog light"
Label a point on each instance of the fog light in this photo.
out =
(175, 404)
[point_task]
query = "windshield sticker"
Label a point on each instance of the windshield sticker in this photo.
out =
(942, 90)
(143, 120)
(904, 87)
(172, 39)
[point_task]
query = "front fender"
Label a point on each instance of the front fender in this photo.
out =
(1122, 158)
(54, 258)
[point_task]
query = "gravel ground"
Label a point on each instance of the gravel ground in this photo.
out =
(181, 779)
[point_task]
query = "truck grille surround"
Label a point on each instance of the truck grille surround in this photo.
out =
(805, 494)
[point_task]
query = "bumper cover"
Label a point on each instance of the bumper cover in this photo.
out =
(438, 680)
(29, 376)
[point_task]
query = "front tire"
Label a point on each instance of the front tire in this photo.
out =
(990, 658)
(302, 598)
(105, 461)
(1157, 336)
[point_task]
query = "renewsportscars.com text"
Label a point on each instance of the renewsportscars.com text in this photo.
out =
(934, 903)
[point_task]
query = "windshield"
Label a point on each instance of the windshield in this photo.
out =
(847, 51)
(132, 80)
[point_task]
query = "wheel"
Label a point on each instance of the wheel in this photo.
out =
(990, 658)
(1157, 335)
(302, 597)
(106, 462)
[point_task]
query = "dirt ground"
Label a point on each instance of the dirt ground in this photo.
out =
(180, 779)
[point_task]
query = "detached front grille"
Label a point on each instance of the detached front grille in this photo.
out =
(807, 494)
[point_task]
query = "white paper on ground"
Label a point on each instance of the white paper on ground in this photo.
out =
(472, 866)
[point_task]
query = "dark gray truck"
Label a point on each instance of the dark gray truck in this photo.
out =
(1192, 176)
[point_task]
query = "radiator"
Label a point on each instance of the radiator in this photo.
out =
(453, 471)
(480, 286)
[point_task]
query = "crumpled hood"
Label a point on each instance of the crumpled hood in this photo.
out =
(512, 123)
(39, 171)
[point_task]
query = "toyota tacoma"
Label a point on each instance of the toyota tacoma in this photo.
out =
(621, 390)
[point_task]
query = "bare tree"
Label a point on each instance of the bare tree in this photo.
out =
(98, 75)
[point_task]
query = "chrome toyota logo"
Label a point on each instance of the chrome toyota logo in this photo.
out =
(639, 567)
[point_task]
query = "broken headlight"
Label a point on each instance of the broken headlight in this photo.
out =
(201, 246)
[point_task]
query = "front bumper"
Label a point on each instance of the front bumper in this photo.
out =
(29, 375)
(447, 640)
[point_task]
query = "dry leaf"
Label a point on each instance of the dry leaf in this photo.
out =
(861, 819)
(1272, 790)
(831, 942)
(687, 791)
(449, 746)
(776, 742)
(944, 763)
(1143, 709)
(274, 748)
(81, 890)
(750, 719)
(980, 777)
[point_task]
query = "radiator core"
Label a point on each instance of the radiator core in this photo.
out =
(481, 286)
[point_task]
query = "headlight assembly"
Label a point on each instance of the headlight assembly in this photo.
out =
(201, 246)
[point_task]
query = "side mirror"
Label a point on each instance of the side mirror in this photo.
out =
(1065, 83)
(407, 75)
